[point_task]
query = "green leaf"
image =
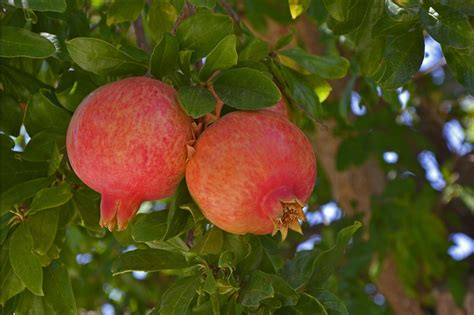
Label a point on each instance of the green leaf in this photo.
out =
(11, 116)
(237, 245)
(203, 31)
(98, 56)
(331, 302)
(43, 227)
(26, 264)
(302, 90)
(327, 67)
(371, 57)
(402, 59)
(210, 285)
(42, 114)
(210, 4)
(161, 18)
(177, 298)
(223, 56)
(39, 5)
(313, 268)
(19, 42)
(52, 197)
(149, 227)
(177, 218)
(355, 16)
(13, 170)
(22, 191)
(196, 101)
(86, 202)
(210, 243)
(298, 7)
(448, 26)
(338, 9)
(307, 304)
(58, 289)
(254, 50)
(461, 64)
(164, 58)
(246, 88)
(258, 288)
(11, 284)
(148, 260)
(124, 10)
(43, 145)
(31, 304)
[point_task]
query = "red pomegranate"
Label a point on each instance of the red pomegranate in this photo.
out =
(127, 140)
(280, 108)
(252, 172)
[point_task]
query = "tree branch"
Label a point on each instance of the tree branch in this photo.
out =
(140, 34)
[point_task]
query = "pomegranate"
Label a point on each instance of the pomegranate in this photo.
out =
(280, 108)
(252, 172)
(127, 140)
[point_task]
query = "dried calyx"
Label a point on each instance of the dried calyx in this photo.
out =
(289, 219)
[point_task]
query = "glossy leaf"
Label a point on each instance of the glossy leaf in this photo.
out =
(298, 7)
(177, 217)
(246, 88)
(223, 56)
(44, 115)
(164, 58)
(210, 243)
(307, 304)
(402, 59)
(124, 10)
(448, 26)
(312, 268)
(461, 64)
(52, 197)
(177, 298)
(149, 227)
(338, 9)
(22, 191)
(196, 101)
(43, 227)
(26, 264)
(43, 145)
(58, 289)
(203, 31)
(254, 50)
(11, 284)
(19, 42)
(203, 3)
(148, 260)
(258, 288)
(11, 116)
(86, 202)
(161, 18)
(100, 57)
(327, 67)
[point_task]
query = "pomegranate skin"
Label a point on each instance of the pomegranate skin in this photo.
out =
(280, 108)
(245, 166)
(127, 141)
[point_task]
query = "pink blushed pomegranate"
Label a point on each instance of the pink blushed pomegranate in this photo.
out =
(280, 108)
(252, 172)
(127, 140)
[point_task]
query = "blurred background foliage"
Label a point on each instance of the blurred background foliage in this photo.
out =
(383, 90)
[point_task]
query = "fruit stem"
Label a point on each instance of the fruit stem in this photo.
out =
(289, 219)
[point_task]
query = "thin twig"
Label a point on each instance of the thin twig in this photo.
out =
(140, 34)
(228, 8)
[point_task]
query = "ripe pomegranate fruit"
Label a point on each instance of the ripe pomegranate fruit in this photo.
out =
(127, 140)
(252, 172)
(280, 108)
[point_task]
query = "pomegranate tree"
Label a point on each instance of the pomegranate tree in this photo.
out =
(252, 172)
(127, 140)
